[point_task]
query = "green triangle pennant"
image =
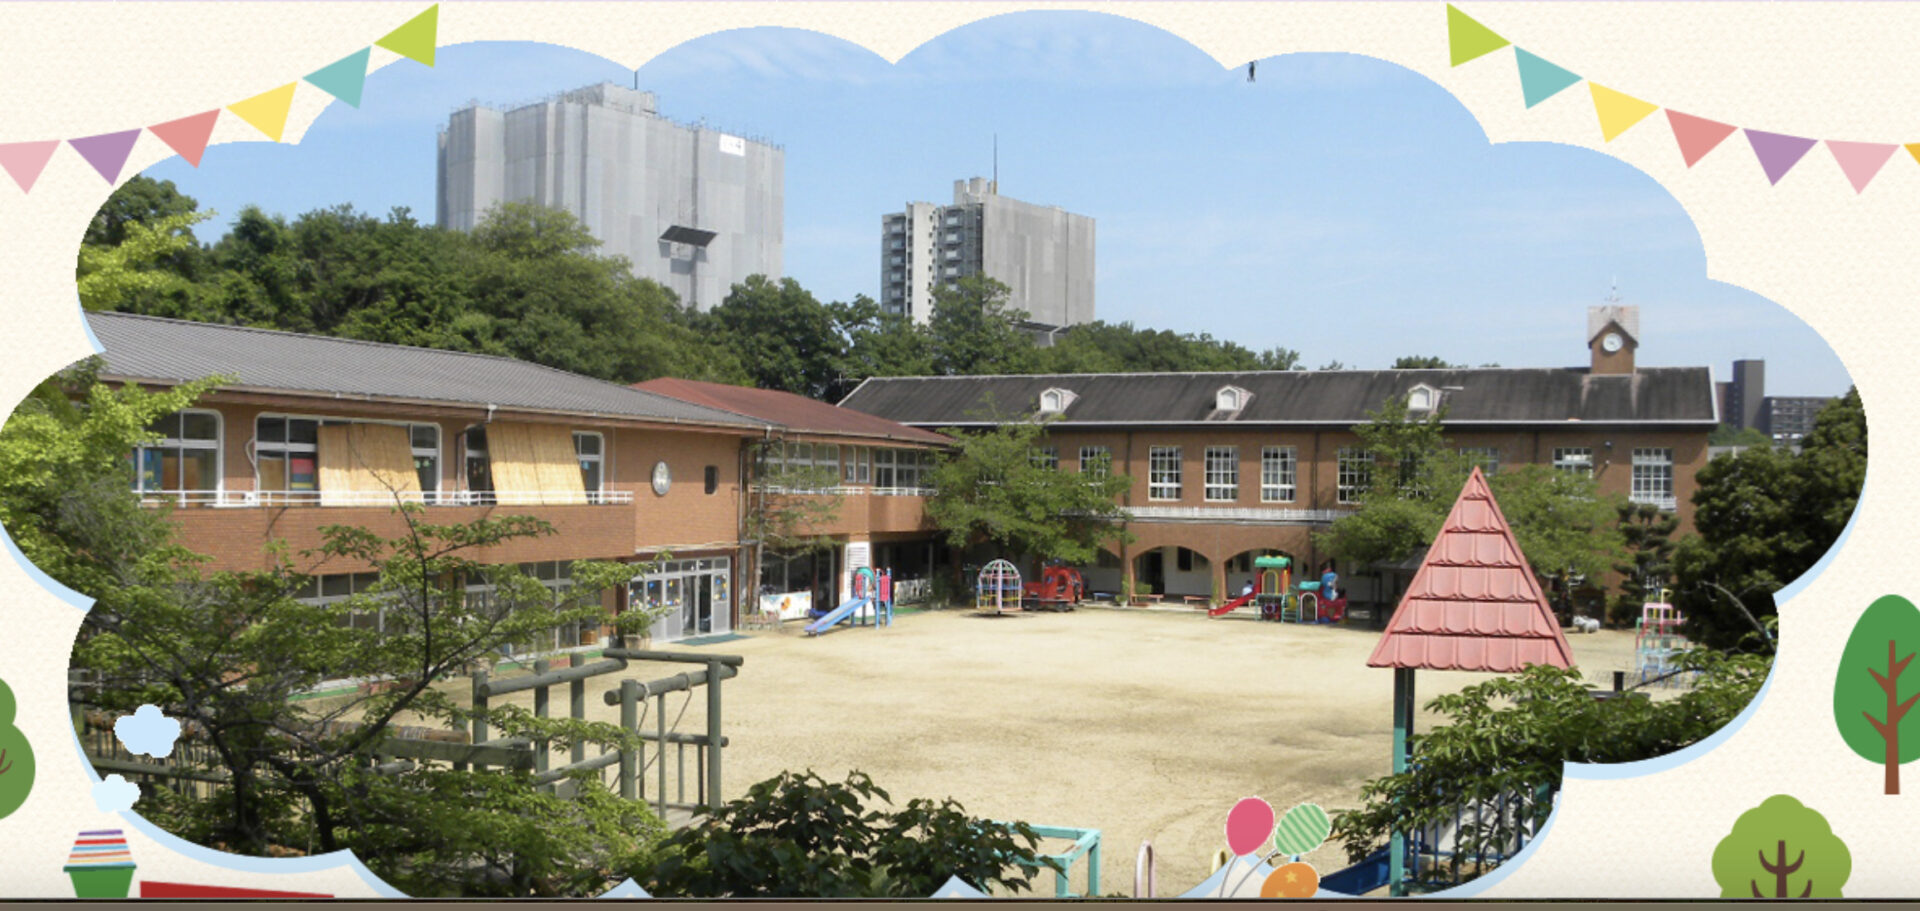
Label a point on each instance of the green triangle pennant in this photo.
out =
(1467, 39)
(344, 78)
(415, 40)
(1540, 80)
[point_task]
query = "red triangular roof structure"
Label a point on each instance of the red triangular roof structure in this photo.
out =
(1475, 604)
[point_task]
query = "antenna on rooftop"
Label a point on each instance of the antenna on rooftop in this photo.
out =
(1613, 296)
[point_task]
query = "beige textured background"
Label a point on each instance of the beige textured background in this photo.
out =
(1841, 261)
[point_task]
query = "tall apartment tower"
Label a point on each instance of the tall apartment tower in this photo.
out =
(692, 208)
(1043, 253)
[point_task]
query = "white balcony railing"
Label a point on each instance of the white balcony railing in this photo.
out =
(1237, 514)
(847, 491)
(241, 499)
(1668, 504)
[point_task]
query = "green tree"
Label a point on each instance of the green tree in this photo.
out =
(800, 836)
(141, 200)
(1423, 362)
(973, 330)
(1763, 518)
(879, 344)
(787, 339)
(994, 490)
(1562, 524)
(1646, 533)
(1752, 861)
(1871, 706)
(16, 758)
(135, 272)
(1729, 435)
(1509, 737)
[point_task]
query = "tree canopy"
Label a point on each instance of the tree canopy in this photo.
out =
(994, 489)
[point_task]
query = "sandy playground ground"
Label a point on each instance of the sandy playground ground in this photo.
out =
(1145, 725)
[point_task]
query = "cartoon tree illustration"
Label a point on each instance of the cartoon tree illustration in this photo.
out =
(1872, 701)
(1781, 849)
(16, 758)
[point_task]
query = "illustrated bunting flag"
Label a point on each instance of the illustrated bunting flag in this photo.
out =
(1860, 161)
(1540, 80)
(1778, 152)
(267, 111)
(344, 78)
(415, 40)
(1913, 148)
(1617, 111)
(24, 161)
(1697, 135)
(1467, 39)
(188, 135)
(107, 152)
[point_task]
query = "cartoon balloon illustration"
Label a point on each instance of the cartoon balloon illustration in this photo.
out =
(1248, 825)
(1301, 830)
(1294, 880)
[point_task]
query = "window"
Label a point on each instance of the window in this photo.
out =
(713, 478)
(1230, 398)
(1096, 461)
(1486, 458)
(1653, 477)
(850, 468)
(884, 474)
(479, 468)
(1422, 398)
(184, 464)
(1054, 401)
(1276, 474)
(1355, 474)
(590, 449)
(1047, 457)
(1163, 473)
(286, 452)
(1575, 459)
(827, 456)
(1222, 473)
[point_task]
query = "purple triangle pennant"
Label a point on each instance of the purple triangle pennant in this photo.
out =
(107, 152)
(1778, 153)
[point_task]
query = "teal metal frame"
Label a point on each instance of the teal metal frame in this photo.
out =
(1086, 843)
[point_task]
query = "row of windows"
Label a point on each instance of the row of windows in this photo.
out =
(285, 449)
(882, 468)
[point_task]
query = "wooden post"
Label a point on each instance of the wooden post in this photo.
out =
(540, 707)
(630, 722)
(577, 694)
(660, 749)
(480, 710)
(1403, 708)
(713, 731)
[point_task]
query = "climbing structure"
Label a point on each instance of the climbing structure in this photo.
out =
(1657, 641)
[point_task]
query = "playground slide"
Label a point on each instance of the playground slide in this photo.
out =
(1230, 605)
(835, 616)
(1361, 878)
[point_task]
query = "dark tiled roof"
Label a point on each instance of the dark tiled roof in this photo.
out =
(1474, 603)
(157, 350)
(1530, 395)
(795, 412)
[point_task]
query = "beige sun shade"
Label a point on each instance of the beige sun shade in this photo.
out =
(359, 460)
(534, 464)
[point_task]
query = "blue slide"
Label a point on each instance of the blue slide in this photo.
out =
(836, 615)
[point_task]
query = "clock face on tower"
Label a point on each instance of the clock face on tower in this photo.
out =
(662, 478)
(1612, 342)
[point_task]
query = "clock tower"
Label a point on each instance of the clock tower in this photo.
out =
(1613, 332)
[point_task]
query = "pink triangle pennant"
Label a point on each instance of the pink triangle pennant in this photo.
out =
(1778, 152)
(25, 160)
(107, 152)
(1860, 161)
(1697, 135)
(188, 135)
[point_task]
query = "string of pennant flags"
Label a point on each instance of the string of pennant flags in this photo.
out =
(1617, 112)
(267, 112)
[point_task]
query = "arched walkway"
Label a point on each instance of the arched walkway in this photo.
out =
(1173, 571)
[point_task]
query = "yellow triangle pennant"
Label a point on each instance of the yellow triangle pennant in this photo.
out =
(267, 111)
(1617, 111)
(1913, 148)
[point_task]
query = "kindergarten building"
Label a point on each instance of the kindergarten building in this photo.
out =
(311, 431)
(1227, 467)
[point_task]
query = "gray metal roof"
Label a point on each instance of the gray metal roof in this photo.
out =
(1672, 395)
(169, 351)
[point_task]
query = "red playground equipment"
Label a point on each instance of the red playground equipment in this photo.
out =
(1280, 599)
(1059, 588)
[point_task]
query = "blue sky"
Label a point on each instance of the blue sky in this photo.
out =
(1339, 205)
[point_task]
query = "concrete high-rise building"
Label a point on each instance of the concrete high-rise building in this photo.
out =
(1043, 253)
(692, 208)
(1744, 394)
